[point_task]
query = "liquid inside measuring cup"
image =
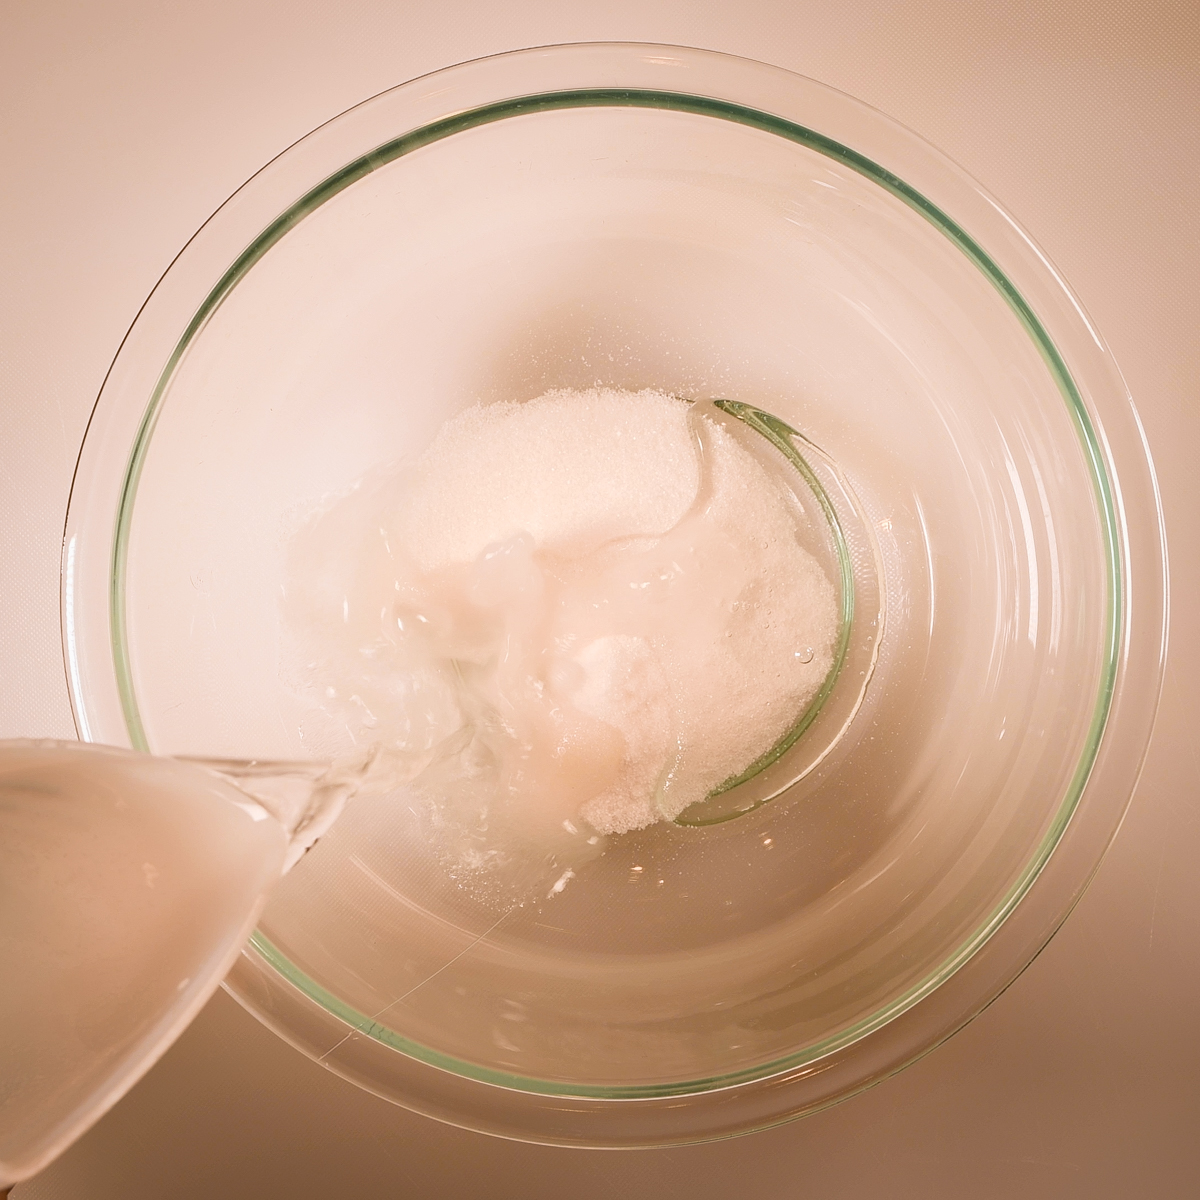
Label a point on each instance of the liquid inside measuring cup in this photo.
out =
(128, 884)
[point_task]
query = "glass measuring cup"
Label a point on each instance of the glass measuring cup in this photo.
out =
(128, 885)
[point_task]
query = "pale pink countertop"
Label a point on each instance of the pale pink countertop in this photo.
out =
(123, 124)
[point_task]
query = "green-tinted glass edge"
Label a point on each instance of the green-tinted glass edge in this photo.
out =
(755, 119)
(781, 436)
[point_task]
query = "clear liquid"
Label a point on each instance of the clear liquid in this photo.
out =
(563, 633)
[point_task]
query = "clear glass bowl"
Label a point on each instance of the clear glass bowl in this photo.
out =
(647, 216)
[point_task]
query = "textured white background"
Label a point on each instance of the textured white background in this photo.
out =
(124, 123)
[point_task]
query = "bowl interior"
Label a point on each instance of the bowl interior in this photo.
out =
(702, 249)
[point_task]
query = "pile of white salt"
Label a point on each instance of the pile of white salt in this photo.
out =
(597, 600)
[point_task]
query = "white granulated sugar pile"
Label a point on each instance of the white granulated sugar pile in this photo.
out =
(600, 594)
(573, 470)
